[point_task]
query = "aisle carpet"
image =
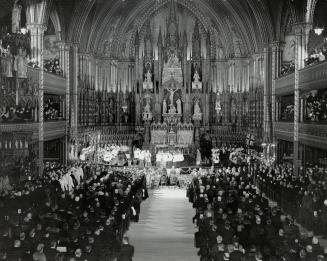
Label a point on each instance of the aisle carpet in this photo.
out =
(165, 231)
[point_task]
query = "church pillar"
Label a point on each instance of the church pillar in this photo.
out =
(301, 52)
(267, 128)
(74, 91)
(276, 66)
(67, 99)
(37, 49)
(138, 83)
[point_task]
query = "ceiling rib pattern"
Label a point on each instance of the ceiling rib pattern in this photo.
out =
(251, 18)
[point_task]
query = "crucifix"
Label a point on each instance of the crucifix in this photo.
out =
(172, 89)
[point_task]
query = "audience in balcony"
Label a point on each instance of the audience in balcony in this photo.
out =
(288, 113)
(287, 68)
(16, 113)
(316, 107)
(53, 66)
(33, 63)
(316, 56)
(51, 110)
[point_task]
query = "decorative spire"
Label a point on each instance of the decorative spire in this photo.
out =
(185, 42)
(172, 12)
(196, 42)
(160, 37)
(137, 39)
(148, 32)
(208, 44)
(196, 31)
(208, 39)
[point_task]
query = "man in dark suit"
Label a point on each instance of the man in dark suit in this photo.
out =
(126, 251)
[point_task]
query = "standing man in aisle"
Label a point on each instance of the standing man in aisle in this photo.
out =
(126, 251)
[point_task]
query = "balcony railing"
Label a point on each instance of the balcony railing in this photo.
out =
(284, 127)
(310, 134)
(285, 84)
(52, 129)
(53, 83)
(313, 77)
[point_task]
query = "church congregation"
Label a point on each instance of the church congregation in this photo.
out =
(236, 221)
(163, 130)
(80, 213)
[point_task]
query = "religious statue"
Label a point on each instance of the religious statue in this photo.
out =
(197, 109)
(218, 107)
(15, 17)
(164, 106)
(111, 117)
(198, 157)
(6, 64)
(171, 97)
(148, 84)
(179, 106)
(20, 64)
(147, 107)
(196, 76)
(125, 117)
(196, 84)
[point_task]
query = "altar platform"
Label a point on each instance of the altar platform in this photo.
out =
(189, 162)
(183, 148)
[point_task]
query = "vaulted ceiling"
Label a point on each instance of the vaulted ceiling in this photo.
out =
(255, 22)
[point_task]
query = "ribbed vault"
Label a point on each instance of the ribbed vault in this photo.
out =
(248, 19)
(256, 22)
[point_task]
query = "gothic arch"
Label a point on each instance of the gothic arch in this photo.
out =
(141, 28)
(37, 12)
(54, 17)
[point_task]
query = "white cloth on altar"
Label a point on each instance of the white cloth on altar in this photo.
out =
(178, 158)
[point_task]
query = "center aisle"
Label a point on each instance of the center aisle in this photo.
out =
(165, 231)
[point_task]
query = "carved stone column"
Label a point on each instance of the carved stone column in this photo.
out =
(267, 95)
(197, 126)
(276, 66)
(66, 65)
(74, 92)
(301, 52)
(36, 32)
(37, 49)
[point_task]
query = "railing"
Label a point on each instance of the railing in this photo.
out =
(285, 84)
(317, 130)
(52, 129)
(313, 77)
(53, 83)
(314, 135)
(284, 127)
